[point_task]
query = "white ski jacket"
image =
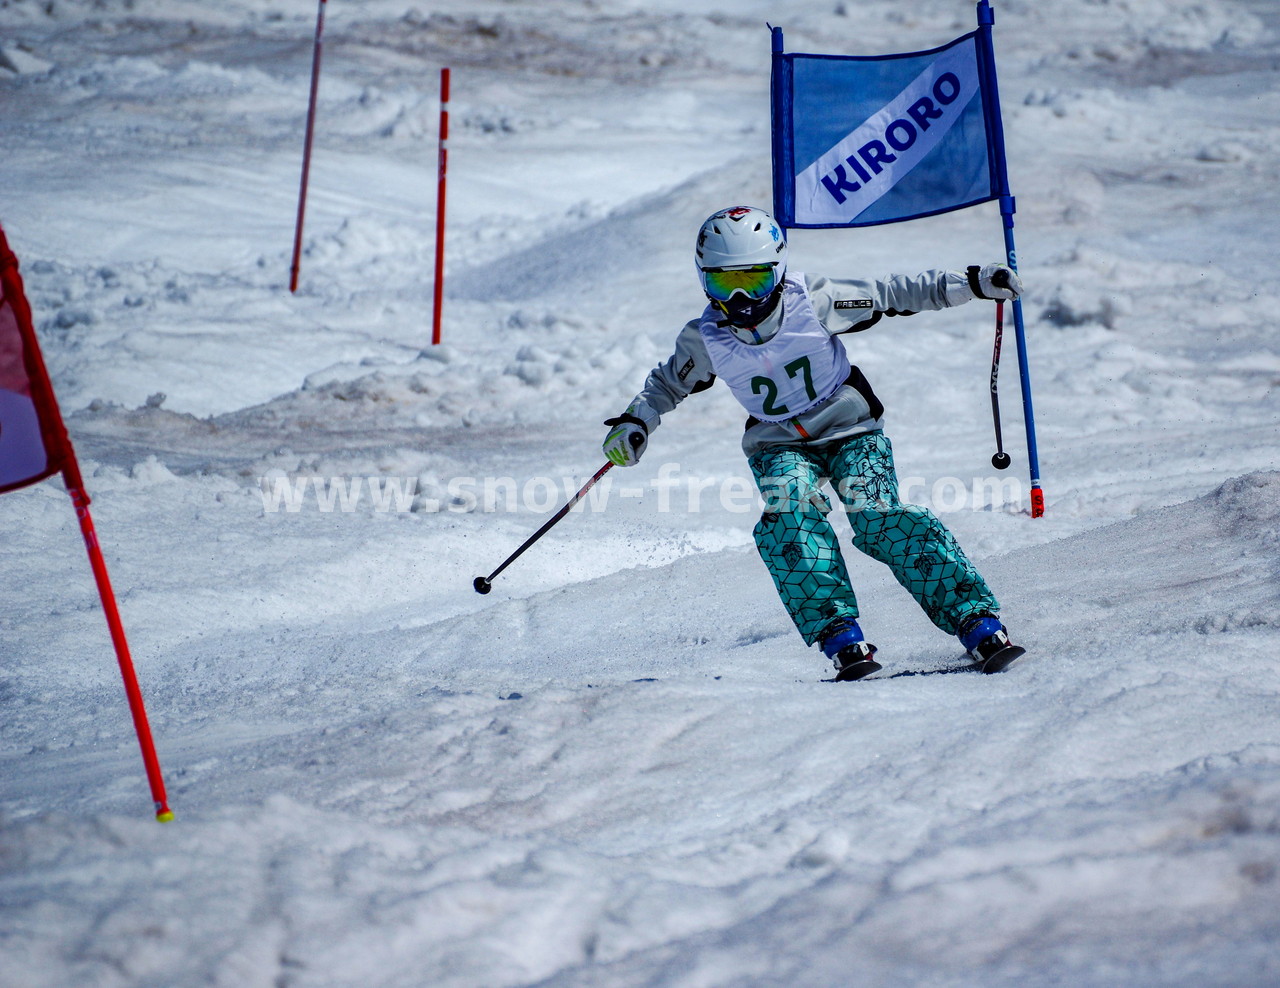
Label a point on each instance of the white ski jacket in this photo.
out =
(840, 306)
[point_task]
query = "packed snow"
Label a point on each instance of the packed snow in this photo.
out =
(622, 766)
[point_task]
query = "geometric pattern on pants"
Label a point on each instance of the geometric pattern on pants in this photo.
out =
(802, 552)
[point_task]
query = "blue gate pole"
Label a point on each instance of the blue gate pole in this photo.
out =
(780, 131)
(1008, 205)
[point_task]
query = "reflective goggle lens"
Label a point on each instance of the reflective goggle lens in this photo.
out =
(756, 282)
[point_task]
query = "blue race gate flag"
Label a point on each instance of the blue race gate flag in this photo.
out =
(860, 140)
(863, 140)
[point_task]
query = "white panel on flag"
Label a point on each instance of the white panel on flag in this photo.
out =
(884, 149)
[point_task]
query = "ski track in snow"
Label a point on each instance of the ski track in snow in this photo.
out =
(621, 768)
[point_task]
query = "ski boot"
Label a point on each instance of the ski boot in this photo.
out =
(987, 640)
(842, 643)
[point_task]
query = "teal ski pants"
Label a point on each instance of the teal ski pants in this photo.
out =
(802, 552)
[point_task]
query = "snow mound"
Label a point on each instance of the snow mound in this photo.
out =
(591, 786)
(1250, 506)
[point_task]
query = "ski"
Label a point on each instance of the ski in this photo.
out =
(856, 670)
(996, 662)
(1001, 660)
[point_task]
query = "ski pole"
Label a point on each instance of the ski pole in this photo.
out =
(1001, 460)
(484, 584)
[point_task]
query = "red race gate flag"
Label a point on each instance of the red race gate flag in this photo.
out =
(34, 445)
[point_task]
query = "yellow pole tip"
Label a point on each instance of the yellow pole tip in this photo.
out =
(165, 816)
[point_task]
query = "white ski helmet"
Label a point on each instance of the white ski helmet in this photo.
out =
(741, 258)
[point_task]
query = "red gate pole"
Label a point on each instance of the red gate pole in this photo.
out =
(440, 194)
(75, 487)
(306, 151)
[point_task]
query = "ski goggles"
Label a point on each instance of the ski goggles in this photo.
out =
(755, 282)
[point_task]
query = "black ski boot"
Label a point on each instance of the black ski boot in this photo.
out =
(987, 640)
(842, 643)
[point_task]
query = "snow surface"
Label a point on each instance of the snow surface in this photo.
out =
(621, 767)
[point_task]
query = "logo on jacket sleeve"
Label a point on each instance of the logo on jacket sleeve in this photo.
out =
(854, 303)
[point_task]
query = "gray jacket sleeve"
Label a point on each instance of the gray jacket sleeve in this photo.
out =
(846, 305)
(680, 375)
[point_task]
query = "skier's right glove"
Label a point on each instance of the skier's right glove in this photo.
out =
(625, 443)
(994, 281)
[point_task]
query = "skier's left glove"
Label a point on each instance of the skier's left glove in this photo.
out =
(625, 443)
(994, 281)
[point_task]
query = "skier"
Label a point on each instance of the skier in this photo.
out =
(774, 337)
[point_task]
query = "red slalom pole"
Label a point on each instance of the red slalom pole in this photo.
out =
(306, 151)
(440, 196)
(132, 691)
